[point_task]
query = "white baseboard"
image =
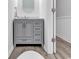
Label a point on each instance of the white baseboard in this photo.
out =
(10, 51)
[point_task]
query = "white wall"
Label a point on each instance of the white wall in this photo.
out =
(10, 26)
(64, 19)
(64, 28)
(48, 24)
(63, 8)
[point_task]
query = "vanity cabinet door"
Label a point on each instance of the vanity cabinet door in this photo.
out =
(28, 32)
(18, 30)
(23, 32)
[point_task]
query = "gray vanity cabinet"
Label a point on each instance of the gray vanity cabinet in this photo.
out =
(28, 31)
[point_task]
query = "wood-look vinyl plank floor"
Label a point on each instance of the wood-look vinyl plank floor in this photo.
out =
(63, 51)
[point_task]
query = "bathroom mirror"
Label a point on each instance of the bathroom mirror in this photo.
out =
(28, 5)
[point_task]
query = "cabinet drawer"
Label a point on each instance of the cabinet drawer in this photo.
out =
(24, 41)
